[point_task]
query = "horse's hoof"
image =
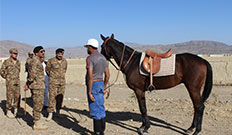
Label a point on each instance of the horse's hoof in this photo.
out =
(140, 130)
(190, 130)
(196, 133)
(145, 133)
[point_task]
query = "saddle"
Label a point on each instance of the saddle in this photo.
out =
(151, 63)
(155, 59)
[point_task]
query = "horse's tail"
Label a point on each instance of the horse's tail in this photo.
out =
(208, 82)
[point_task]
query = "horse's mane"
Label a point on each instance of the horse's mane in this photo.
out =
(118, 42)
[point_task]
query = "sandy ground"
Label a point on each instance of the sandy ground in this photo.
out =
(170, 112)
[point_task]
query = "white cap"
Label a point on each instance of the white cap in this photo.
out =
(92, 42)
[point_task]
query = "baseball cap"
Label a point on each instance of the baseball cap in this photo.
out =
(92, 42)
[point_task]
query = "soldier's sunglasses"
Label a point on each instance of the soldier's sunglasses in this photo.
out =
(42, 51)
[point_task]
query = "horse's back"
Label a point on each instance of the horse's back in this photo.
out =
(192, 67)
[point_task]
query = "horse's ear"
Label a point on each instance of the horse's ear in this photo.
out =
(102, 37)
(112, 36)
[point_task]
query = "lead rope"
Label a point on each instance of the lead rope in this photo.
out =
(108, 93)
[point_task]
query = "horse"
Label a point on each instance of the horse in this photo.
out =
(191, 70)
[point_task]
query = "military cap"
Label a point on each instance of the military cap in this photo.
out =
(31, 52)
(13, 50)
(37, 49)
(60, 50)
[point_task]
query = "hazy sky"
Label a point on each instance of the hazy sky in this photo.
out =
(59, 23)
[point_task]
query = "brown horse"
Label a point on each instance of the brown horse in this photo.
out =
(191, 70)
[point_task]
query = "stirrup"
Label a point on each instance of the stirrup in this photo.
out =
(151, 87)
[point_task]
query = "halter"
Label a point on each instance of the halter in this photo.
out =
(122, 57)
(120, 65)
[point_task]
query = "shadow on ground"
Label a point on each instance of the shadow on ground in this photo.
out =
(117, 118)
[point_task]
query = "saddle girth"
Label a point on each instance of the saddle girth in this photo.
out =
(151, 63)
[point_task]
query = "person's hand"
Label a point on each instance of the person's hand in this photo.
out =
(108, 93)
(25, 87)
(91, 97)
(105, 91)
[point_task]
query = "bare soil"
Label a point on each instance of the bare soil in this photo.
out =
(170, 112)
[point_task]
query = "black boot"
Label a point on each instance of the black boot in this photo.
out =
(97, 127)
(103, 125)
(59, 101)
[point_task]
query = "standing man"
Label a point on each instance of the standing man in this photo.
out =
(96, 65)
(28, 61)
(56, 68)
(10, 71)
(36, 82)
(28, 64)
(46, 99)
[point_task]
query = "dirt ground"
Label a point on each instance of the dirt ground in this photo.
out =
(170, 112)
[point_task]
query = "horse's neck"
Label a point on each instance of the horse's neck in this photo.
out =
(118, 54)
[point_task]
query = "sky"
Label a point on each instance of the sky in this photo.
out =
(70, 23)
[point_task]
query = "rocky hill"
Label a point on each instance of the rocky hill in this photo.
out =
(6, 45)
(195, 47)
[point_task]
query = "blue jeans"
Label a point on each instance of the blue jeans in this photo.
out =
(97, 108)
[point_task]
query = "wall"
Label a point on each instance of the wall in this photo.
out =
(222, 71)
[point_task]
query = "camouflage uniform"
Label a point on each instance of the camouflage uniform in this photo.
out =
(10, 72)
(27, 64)
(56, 72)
(36, 83)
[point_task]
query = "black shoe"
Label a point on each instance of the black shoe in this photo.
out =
(97, 133)
(45, 108)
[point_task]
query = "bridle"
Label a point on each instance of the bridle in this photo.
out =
(106, 51)
(120, 65)
(122, 57)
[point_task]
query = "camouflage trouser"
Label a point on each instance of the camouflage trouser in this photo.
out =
(12, 93)
(56, 94)
(38, 101)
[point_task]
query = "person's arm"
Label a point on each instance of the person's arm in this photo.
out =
(107, 77)
(3, 70)
(33, 73)
(48, 67)
(26, 65)
(19, 66)
(66, 65)
(90, 83)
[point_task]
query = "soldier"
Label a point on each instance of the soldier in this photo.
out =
(56, 68)
(36, 82)
(27, 64)
(28, 61)
(10, 71)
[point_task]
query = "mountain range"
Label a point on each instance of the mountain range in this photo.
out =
(195, 47)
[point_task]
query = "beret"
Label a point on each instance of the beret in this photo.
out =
(60, 50)
(37, 49)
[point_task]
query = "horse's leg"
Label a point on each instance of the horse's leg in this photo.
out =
(199, 118)
(142, 106)
(198, 111)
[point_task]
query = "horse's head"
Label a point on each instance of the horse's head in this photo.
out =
(105, 47)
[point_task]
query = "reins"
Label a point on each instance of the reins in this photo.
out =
(120, 65)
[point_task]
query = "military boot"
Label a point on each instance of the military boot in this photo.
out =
(50, 115)
(58, 114)
(38, 125)
(17, 112)
(9, 114)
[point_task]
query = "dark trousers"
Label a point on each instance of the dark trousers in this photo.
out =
(99, 126)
